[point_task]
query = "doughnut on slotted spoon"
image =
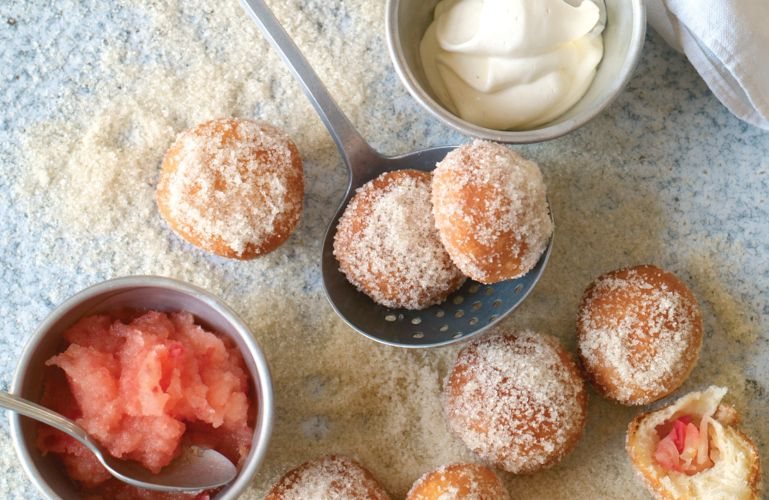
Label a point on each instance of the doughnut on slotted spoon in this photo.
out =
(467, 312)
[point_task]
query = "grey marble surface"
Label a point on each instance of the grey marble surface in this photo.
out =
(671, 178)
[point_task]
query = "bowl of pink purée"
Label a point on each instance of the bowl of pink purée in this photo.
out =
(147, 365)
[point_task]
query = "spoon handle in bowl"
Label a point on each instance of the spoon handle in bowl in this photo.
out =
(353, 147)
(44, 415)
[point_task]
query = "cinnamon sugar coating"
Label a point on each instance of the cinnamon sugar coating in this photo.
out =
(332, 478)
(233, 187)
(517, 400)
(387, 245)
(491, 211)
(459, 482)
(639, 333)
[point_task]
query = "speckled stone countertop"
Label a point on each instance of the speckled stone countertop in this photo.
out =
(665, 175)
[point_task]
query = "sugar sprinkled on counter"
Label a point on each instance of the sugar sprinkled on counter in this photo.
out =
(85, 177)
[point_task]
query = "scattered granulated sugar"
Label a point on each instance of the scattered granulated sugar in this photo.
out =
(337, 392)
(86, 180)
(732, 315)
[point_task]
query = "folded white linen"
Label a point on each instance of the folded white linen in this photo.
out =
(727, 42)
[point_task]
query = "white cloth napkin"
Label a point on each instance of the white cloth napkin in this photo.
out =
(727, 41)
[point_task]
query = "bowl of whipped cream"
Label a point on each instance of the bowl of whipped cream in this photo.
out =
(515, 71)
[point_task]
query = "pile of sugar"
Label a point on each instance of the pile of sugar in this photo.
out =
(514, 400)
(388, 247)
(645, 345)
(231, 182)
(499, 201)
(88, 179)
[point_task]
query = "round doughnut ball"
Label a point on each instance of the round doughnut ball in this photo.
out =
(517, 400)
(328, 477)
(639, 333)
(459, 482)
(233, 187)
(387, 245)
(491, 211)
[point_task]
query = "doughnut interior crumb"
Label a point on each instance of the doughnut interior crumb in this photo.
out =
(733, 470)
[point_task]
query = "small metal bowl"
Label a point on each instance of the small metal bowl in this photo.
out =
(139, 292)
(407, 21)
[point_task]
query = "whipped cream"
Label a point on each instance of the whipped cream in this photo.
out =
(511, 64)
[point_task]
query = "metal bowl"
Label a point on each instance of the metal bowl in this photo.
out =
(139, 292)
(407, 20)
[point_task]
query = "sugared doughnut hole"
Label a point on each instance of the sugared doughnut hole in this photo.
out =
(459, 482)
(491, 211)
(517, 400)
(329, 477)
(387, 245)
(233, 187)
(639, 333)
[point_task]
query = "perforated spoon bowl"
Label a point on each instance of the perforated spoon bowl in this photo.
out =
(196, 469)
(469, 311)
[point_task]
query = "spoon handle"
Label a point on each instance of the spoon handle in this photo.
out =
(360, 158)
(42, 414)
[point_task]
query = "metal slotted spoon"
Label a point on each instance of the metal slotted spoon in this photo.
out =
(470, 310)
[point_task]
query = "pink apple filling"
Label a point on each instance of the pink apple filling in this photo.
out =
(144, 388)
(685, 447)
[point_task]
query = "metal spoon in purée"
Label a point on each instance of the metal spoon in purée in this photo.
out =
(195, 469)
(470, 310)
